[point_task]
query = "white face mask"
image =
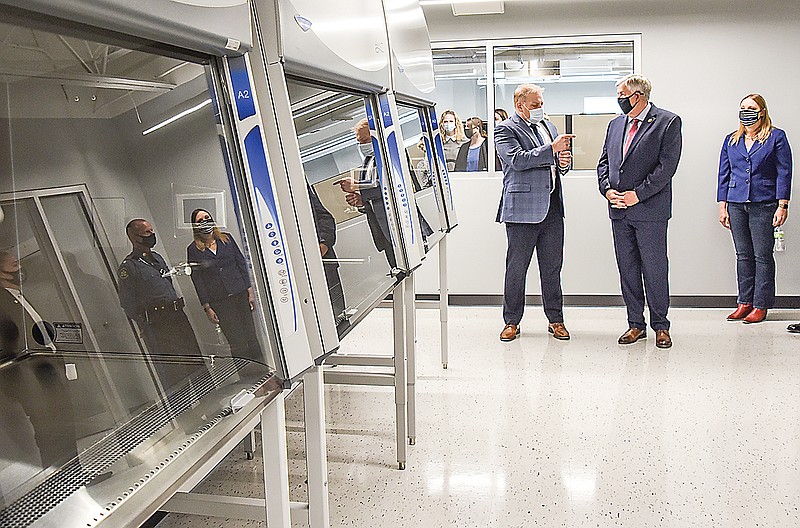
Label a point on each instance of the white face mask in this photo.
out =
(537, 114)
(449, 127)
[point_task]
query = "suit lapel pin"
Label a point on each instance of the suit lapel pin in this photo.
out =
(650, 120)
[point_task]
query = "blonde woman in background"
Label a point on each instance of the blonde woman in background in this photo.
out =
(452, 137)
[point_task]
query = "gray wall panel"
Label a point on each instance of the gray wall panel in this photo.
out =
(693, 54)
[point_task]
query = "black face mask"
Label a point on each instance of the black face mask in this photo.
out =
(149, 241)
(748, 117)
(17, 277)
(625, 103)
(468, 132)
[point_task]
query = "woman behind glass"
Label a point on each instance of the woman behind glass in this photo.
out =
(452, 137)
(472, 156)
(500, 115)
(755, 180)
(222, 280)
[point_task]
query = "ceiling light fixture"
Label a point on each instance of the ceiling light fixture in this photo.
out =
(176, 117)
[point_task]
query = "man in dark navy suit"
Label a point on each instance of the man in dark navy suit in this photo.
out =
(640, 156)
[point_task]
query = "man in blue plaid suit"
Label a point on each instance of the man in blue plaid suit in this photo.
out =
(534, 157)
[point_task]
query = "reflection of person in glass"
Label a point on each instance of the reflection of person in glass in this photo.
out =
(21, 326)
(148, 297)
(369, 199)
(39, 384)
(221, 278)
(326, 237)
(423, 168)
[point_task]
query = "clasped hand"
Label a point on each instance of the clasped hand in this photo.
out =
(621, 200)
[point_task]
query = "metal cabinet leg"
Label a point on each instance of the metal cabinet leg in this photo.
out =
(400, 372)
(316, 452)
(411, 356)
(276, 464)
(443, 300)
(250, 445)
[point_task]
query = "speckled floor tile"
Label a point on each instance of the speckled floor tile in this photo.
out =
(583, 433)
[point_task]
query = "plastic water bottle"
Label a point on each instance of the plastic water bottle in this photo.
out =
(220, 336)
(780, 241)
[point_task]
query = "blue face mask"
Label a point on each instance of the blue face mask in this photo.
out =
(749, 117)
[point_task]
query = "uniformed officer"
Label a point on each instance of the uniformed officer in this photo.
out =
(148, 297)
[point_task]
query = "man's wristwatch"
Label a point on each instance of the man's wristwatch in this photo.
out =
(783, 206)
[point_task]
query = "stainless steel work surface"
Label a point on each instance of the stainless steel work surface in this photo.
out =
(75, 451)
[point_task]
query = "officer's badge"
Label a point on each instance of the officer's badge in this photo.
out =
(123, 273)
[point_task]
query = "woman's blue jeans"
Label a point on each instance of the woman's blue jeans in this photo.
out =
(751, 227)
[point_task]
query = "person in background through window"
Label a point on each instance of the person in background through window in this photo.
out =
(500, 115)
(472, 156)
(221, 278)
(452, 137)
(754, 184)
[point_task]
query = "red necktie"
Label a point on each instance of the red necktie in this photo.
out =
(631, 133)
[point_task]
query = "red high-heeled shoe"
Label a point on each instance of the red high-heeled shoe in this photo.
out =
(742, 311)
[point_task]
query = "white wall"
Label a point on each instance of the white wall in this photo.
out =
(702, 57)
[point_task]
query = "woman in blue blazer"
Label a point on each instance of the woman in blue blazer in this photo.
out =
(221, 278)
(755, 180)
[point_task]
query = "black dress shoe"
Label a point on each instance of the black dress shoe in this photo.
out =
(632, 335)
(794, 328)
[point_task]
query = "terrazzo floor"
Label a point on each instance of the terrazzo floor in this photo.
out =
(583, 433)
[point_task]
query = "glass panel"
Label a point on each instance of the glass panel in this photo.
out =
(579, 83)
(460, 95)
(336, 149)
(45, 424)
(102, 150)
(417, 143)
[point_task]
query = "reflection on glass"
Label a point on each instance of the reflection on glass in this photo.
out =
(337, 149)
(101, 326)
(419, 156)
(221, 278)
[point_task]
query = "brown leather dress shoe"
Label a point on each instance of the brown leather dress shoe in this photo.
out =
(663, 340)
(742, 311)
(756, 316)
(632, 335)
(509, 333)
(559, 331)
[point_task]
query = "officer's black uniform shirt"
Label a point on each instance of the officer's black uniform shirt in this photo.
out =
(141, 284)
